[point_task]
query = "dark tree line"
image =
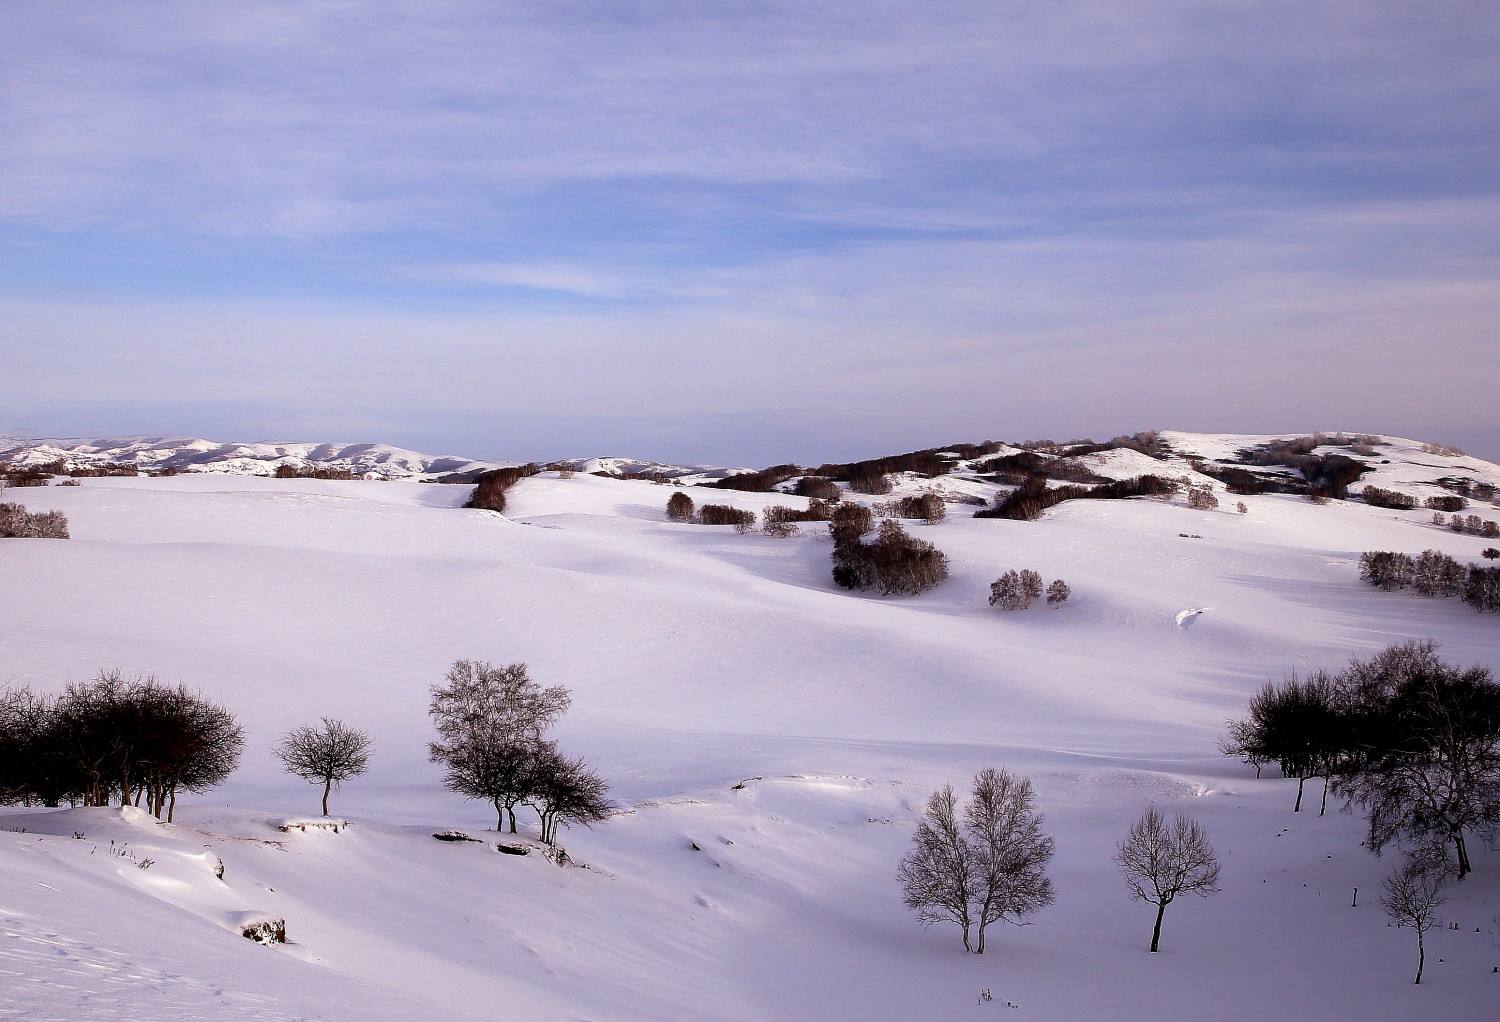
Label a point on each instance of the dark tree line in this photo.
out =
(1034, 496)
(489, 487)
(491, 724)
(136, 741)
(1412, 740)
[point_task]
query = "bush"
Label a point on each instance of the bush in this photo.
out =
(1058, 593)
(779, 521)
(894, 563)
(1482, 589)
(1241, 508)
(850, 521)
(680, 507)
(1386, 569)
(927, 507)
(722, 514)
(817, 487)
(18, 523)
(1446, 502)
(818, 511)
(1377, 497)
(1443, 450)
(1436, 574)
(1016, 590)
(1201, 498)
(1489, 553)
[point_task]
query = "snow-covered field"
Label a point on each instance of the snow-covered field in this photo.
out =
(700, 659)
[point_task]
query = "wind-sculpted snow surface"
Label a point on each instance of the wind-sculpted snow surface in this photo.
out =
(769, 738)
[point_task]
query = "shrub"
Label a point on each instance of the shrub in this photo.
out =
(18, 523)
(1016, 590)
(1439, 519)
(1447, 502)
(1377, 497)
(895, 563)
(1436, 574)
(1482, 589)
(1443, 450)
(680, 507)
(1241, 508)
(1058, 593)
(817, 487)
(722, 514)
(1489, 553)
(849, 522)
(818, 511)
(1386, 569)
(927, 507)
(1201, 498)
(779, 521)
(1491, 530)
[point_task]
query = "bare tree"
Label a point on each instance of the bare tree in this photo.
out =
(490, 722)
(1163, 861)
(1005, 831)
(1058, 593)
(991, 867)
(1413, 893)
(331, 753)
(937, 873)
(564, 790)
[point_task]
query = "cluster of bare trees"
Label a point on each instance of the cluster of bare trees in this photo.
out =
(1018, 590)
(895, 562)
(1201, 498)
(1411, 739)
(987, 863)
(722, 514)
(138, 741)
(1377, 496)
(1432, 573)
(18, 523)
(491, 741)
(817, 487)
(926, 507)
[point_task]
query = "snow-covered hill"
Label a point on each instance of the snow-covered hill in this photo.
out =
(769, 740)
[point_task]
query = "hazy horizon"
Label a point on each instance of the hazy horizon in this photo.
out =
(743, 237)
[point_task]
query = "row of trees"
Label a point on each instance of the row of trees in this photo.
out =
(1433, 573)
(1412, 740)
(988, 863)
(142, 742)
(18, 523)
(1018, 590)
(1470, 525)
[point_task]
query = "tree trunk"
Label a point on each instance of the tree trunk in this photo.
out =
(979, 949)
(967, 945)
(499, 818)
(512, 811)
(1298, 807)
(172, 803)
(1324, 807)
(1161, 909)
(327, 783)
(1421, 956)
(1464, 869)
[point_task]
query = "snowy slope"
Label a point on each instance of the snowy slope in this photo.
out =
(698, 660)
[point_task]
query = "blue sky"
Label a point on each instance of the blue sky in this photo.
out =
(745, 234)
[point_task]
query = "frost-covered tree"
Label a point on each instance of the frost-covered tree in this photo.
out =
(329, 754)
(987, 867)
(1163, 861)
(1413, 892)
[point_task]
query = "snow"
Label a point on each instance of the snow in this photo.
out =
(738, 702)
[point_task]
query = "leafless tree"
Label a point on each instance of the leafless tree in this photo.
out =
(1162, 861)
(779, 521)
(331, 753)
(937, 874)
(1413, 892)
(1011, 852)
(987, 868)
(563, 790)
(1058, 593)
(489, 721)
